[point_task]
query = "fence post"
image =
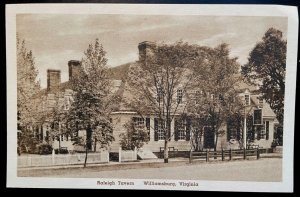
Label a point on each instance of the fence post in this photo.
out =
(135, 153)
(107, 156)
(257, 153)
(191, 155)
(207, 156)
(244, 153)
(120, 154)
(230, 154)
(222, 154)
(53, 157)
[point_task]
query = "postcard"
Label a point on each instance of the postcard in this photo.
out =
(151, 97)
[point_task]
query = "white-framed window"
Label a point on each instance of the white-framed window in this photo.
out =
(159, 129)
(247, 99)
(180, 129)
(264, 130)
(139, 123)
(179, 96)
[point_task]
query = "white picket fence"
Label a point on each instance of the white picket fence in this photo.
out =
(127, 155)
(68, 159)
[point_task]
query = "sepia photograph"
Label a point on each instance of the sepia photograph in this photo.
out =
(151, 97)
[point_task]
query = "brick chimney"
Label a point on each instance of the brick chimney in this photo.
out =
(74, 68)
(146, 48)
(53, 79)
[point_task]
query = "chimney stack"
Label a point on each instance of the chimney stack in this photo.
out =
(53, 79)
(146, 48)
(74, 68)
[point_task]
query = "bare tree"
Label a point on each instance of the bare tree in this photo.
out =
(158, 83)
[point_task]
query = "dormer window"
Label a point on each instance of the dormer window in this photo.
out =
(179, 96)
(159, 94)
(247, 99)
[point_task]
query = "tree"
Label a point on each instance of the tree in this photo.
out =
(214, 98)
(133, 137)
(266, 68)
(27, 87)
(157, 84)
(91, 109)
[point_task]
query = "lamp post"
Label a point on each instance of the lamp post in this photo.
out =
(245, 129)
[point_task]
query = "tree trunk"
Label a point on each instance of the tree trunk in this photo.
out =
(86, 154)
(95, 148)
(166, 148)
(166, 152)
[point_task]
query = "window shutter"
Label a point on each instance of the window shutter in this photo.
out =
(176, 130)
(267, 130)
(228, 130)
(169, 134)
(134, 119)
(155, 129)
(188, 129)
(148, 127)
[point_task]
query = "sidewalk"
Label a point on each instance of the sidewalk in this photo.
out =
(154, 163)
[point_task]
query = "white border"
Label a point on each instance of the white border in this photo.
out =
(146, 9)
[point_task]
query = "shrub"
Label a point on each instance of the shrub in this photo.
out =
(44, 149)
(133, 138)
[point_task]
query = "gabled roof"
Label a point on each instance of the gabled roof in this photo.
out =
(266, 110)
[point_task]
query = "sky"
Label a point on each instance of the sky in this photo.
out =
(55, 38)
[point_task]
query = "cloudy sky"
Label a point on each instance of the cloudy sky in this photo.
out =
(56, 39)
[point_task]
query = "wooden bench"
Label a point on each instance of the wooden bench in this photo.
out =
(172, 148)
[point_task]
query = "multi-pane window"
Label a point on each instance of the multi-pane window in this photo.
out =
(264, 130)
(180, 128)
(247, 99)
(159, 129)
(179, 96)
(139, 123)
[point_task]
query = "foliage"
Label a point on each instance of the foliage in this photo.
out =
(266, 68)
(91, 107)
(44, 148)
(213, 97)
(27, 87)
(133, 137)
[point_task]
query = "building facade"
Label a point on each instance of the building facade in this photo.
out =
(260, 132)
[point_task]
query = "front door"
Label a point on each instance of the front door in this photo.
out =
(209, 138)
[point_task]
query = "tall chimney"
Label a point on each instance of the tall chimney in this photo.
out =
(53, 79)
(146, 48)
(74, 68)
